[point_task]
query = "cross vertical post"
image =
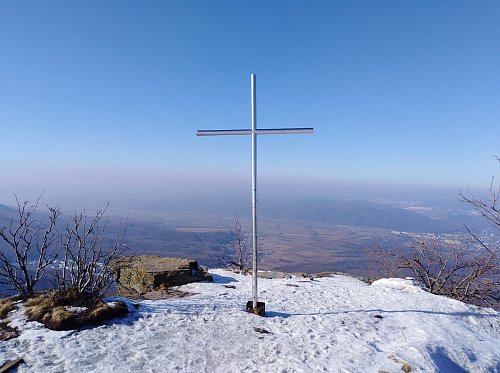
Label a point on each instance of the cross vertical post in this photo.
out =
(254, 189)
(253, 131)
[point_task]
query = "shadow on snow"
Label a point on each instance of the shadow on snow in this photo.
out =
(218, 279)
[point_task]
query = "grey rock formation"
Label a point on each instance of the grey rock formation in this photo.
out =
(138, 275)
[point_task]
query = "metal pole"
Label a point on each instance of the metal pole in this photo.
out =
(254, 132)
(254, 188)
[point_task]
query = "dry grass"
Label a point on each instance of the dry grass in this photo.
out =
(37, 307)
(51, 310)
(59, 318)
(406, 367)
(6, 305)
(105, 312)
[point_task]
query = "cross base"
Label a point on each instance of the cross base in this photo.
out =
(260, 310)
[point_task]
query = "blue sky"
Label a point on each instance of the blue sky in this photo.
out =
(109, 94)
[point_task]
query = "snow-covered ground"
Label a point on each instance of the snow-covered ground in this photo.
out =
(336, 324)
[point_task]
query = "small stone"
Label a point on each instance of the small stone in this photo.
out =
(261, 330)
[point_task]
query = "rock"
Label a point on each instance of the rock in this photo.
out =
(7, 332)
(138, 275)
(261, 330)
(277, 274)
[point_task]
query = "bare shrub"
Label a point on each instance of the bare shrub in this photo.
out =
(457, 270)
(82, 250)
(237, 254)
(87, 254)
(27, 241)
(467, 271)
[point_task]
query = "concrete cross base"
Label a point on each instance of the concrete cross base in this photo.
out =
(260, 310)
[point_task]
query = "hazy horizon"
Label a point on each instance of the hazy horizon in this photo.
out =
(117, 194)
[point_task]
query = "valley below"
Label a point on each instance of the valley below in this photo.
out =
(307, 236)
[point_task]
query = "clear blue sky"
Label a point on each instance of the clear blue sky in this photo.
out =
(111, 93)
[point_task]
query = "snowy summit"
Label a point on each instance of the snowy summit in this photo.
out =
(329, 324)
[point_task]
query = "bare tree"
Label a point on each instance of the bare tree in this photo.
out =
(87, 255)
(237, 254)
(28, 248)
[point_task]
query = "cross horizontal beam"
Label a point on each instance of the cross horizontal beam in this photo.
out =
(260, 131)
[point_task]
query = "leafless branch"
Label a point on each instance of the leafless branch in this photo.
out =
(238, 253)
(87, 257)
(26, 240)
(457, 270)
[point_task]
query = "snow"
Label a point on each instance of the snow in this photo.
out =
(330, 324)
(75, 309)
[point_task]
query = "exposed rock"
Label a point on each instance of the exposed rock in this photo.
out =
(139, 275)
(277, 274)
(311, 276)
(7, 332)
(261, 330)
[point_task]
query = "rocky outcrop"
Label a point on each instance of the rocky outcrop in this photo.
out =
(138, 275)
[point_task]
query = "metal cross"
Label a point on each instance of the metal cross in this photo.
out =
(254, 132)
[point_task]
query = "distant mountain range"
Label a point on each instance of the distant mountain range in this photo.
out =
(315, 210)
(357, 213)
